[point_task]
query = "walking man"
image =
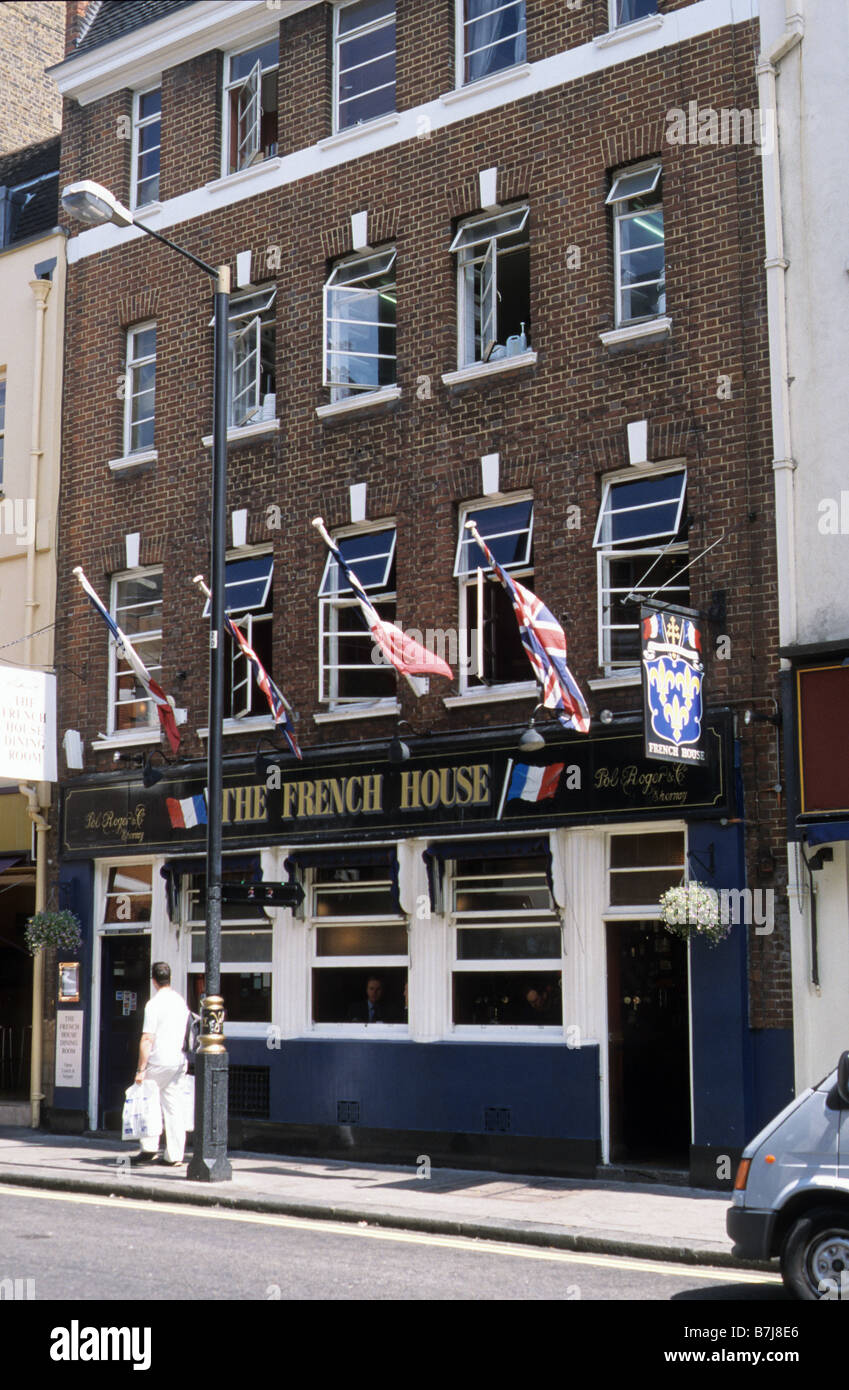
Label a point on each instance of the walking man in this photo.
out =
(161, 1059)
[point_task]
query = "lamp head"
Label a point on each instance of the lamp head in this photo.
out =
(399, 751)
(531, 740)
(91, 203)
(150, 775)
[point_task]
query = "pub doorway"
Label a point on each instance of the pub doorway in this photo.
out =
(648, 1044)
(124, 991)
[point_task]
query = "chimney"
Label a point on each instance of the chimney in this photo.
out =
(76, 12)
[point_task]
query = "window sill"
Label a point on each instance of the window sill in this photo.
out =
(356, 132)
(614, 682)
(133, 739)
(251, 724)
(480, 371)
(236, 433)
(369, 400)
(499, 1032)
(132, 463)
(380, 710)
(645, 25)
(523, 690)
(653, 330)
(485, 84)
(145, 211)
(244, 175)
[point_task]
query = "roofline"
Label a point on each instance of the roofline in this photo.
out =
(137, 57)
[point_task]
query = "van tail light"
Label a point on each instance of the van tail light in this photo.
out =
(742, 1174)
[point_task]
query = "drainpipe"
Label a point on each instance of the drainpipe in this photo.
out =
(776, 264)
(41, 289)
(41, 828)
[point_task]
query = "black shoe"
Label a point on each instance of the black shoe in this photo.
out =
(143, 1157)
(176, 1163)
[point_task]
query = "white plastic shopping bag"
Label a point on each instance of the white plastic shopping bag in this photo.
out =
(188, 1098)
(142, 1118)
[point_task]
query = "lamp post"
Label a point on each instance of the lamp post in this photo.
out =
(94, 205)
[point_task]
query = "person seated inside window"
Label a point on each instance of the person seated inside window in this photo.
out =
(542, 1003)
(372, 1009)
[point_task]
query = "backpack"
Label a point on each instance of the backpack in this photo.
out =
(191, 1037)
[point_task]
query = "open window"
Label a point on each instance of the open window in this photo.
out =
(493, 286)
(252, 390)
(250, 106)
(359, 325)
(493, 654)
(638, 244)
(248, 601)
(493, 36)
(351, 670)
(641, 543)
(365, 61)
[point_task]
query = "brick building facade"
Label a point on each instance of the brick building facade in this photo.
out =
(32, 36)
(402, 444)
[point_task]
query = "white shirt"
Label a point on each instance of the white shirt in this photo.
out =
(165, 1016)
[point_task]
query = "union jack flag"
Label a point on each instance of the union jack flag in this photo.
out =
(406, 655)
(128, 653)
(544, 642)
(275, 697)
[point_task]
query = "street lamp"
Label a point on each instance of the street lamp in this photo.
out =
(94, 205)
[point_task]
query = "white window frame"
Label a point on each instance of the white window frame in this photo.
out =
(620, 205)
(618, 911)
(360, 32)
(231, 85)
(617, 23)
(527, 917)
(195, 925)
(3, 391)
(471, 661)
(139, 642)
(654, 546)
(373, 963)
(241, 672)
(139, 123)
(328, 624)
(251, 314)
(470, 256)
(462, 25)
(133, 364)
(385, 261)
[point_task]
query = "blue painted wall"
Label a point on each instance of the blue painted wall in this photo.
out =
(76, 892)
(552, 1092)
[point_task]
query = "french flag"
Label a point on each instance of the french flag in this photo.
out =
(534, 783)
(186, 813)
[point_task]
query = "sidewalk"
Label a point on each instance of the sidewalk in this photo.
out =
(651, 1221)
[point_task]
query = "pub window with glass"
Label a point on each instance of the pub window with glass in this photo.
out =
(641, 544)
(508, 948)
(128, 895)
(360, 954)
(136, 606)
(246, 950)
(493, 654)
(248, 603)
(351, 669)
(493, 287)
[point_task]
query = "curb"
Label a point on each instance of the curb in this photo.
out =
(510, 1232)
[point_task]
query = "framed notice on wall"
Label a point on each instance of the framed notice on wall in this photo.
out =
(69, 982)
(673, 679)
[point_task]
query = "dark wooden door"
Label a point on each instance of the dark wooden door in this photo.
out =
(124, 991)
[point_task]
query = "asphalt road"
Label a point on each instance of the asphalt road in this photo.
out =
(81, 1247)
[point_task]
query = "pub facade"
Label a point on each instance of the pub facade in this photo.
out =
(484, 288)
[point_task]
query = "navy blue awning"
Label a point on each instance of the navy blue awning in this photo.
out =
(827, 832)
(174, 870)
(515, 847)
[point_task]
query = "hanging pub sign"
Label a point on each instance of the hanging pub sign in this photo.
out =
(673, 684)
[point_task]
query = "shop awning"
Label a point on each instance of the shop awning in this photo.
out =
(827, 832)
(380, 856)
(435, 856)
(7, 860)
(174, 870)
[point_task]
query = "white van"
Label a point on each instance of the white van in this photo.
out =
(791, 1194)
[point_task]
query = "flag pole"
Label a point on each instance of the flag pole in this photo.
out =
(504, 789)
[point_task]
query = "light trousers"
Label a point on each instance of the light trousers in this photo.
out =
(172, 1111)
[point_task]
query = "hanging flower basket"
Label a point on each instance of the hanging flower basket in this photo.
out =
(691, 911)
(60, 929)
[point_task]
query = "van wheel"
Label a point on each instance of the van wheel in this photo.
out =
(815, 1256)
